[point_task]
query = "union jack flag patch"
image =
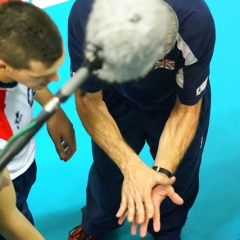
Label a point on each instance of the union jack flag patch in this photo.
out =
(165, 63)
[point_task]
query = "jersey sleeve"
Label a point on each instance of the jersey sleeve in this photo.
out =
(77, 22)
(196, 41)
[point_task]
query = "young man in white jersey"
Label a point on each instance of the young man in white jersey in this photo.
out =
(31, 51)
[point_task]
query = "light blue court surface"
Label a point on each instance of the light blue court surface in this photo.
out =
(59, 193)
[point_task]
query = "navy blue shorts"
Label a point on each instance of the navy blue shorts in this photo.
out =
(139, 127)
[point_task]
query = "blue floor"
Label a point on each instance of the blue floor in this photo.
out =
(59, 192)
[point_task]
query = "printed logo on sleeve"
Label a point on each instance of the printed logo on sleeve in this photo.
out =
(201, 88)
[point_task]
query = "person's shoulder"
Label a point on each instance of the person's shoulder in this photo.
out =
(195, 20)
(85, 5)
(80, 11)
(191, 11)
(196, 26)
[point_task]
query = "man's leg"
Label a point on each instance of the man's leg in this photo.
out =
(22, 186)
(103, 196)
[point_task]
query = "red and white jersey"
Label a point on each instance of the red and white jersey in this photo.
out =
(16, 111)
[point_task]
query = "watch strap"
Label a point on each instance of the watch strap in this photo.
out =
(162, 170)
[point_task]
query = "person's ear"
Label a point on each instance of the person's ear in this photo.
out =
(4, 67)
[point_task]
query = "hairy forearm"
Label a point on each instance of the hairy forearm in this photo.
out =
(177, 135)
(104, 131)
(43, 96)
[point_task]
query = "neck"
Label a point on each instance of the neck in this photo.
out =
(4, 78)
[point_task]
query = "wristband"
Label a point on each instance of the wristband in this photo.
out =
(162, 170)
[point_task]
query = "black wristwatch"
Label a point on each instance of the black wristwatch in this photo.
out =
(162, 170)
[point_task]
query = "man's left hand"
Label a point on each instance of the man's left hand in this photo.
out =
(62, 133)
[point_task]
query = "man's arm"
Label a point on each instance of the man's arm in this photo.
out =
(59, 127)
(13, 225)
(174, 141)
(4, 181)
(102, 128)
(177, 135)
(136, 190)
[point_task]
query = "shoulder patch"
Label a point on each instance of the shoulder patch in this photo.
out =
(165, 63)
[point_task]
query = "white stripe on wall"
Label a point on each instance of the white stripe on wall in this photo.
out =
(47, 3)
